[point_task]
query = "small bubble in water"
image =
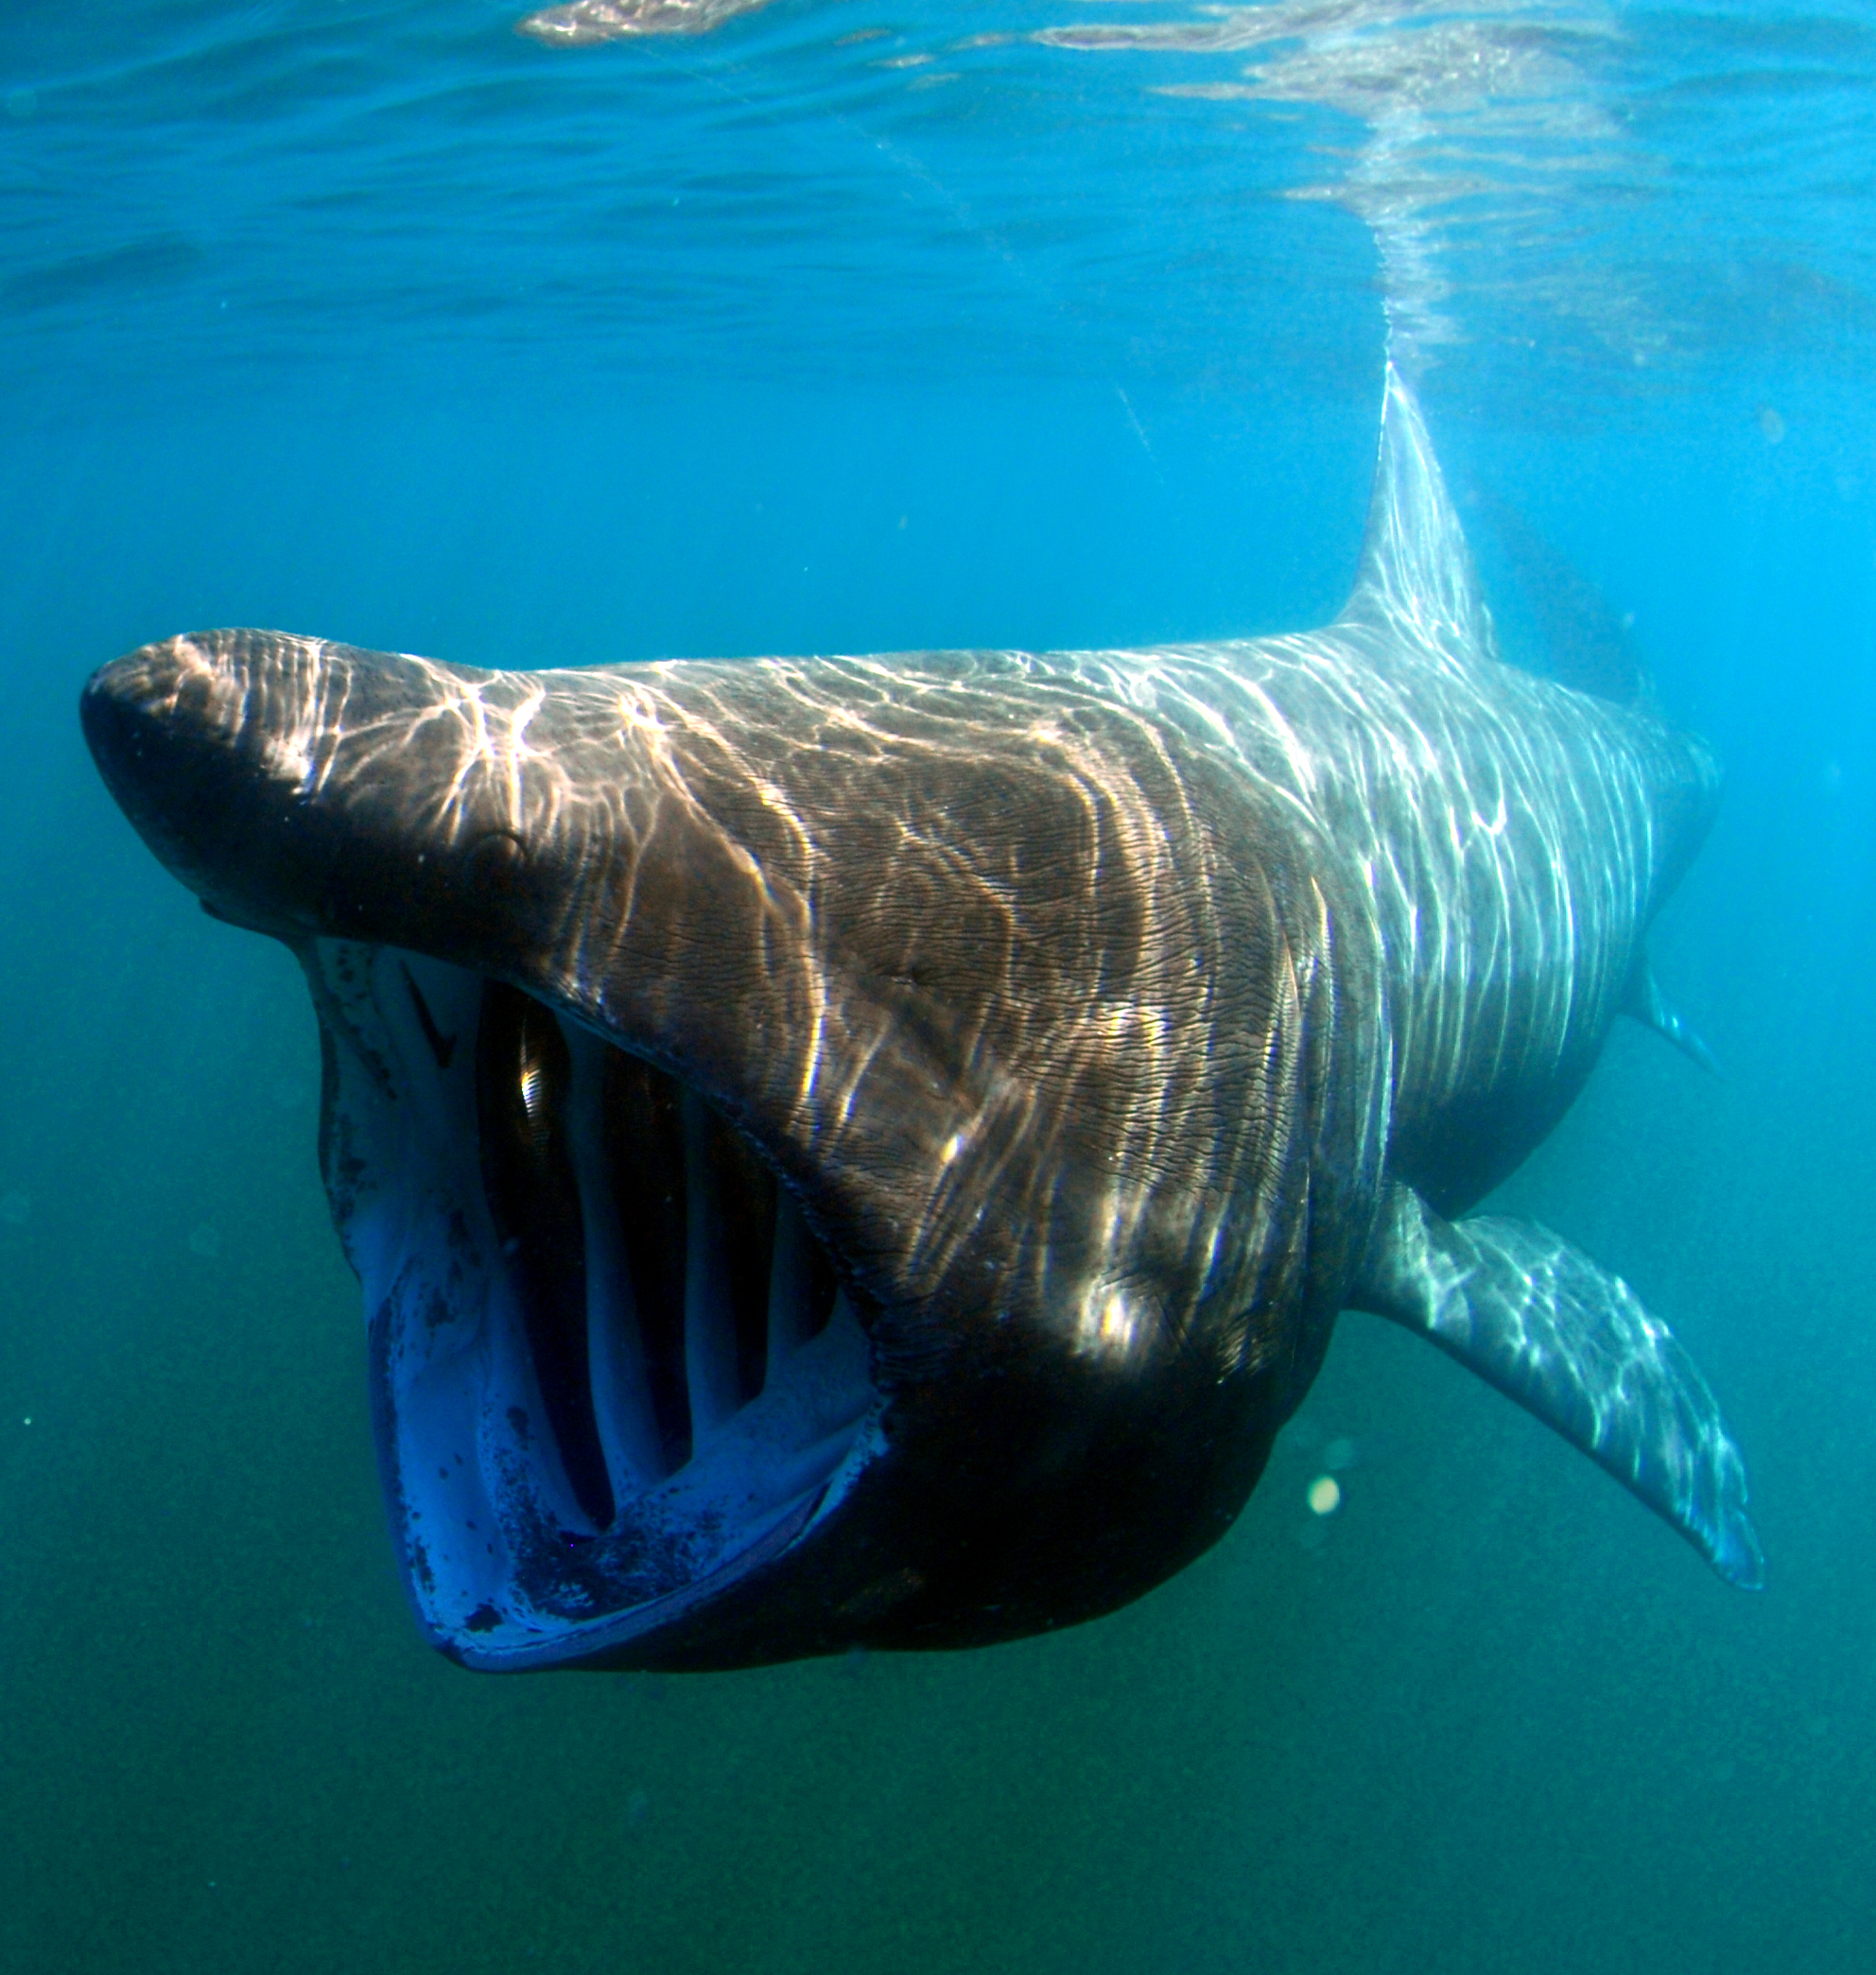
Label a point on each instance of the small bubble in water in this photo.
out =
(1339, 1455)
(205, 1241)
(1324, 1496)
(15, 1208)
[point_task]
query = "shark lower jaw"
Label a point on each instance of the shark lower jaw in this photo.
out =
(614, 1374)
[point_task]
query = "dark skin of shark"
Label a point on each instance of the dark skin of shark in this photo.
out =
(1115, 1018)
(949, 929)
(1086, 979)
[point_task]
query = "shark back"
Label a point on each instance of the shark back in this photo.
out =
(1511, 838)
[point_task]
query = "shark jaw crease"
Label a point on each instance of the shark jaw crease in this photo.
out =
(612, 1373)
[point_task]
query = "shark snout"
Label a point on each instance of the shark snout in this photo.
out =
(174, 731)
(610, 844)
(308, 788)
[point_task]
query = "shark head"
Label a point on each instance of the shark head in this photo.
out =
(817, 1138)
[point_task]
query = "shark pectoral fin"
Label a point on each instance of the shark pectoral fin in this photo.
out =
(1646, 1003)
(1572, 1344)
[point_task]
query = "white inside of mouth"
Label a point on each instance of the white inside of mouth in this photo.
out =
(612, 1369)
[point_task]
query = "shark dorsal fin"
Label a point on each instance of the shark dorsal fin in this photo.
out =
(1417, 574)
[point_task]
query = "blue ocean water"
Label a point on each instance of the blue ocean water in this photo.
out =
(852, 326)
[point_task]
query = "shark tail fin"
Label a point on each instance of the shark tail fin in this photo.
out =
(1572, 1344)
(1416, 575)
(1646, 1003)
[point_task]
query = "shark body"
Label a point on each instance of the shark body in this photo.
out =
(870, 1150)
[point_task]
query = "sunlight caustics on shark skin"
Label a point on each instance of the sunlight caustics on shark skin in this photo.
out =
(871, 1150)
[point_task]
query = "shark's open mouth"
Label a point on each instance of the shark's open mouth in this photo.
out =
(612, 1369)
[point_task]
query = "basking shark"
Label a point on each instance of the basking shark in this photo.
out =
(870, 1150)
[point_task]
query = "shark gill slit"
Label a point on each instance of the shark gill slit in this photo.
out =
(662, 1274)
(523, 1077)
